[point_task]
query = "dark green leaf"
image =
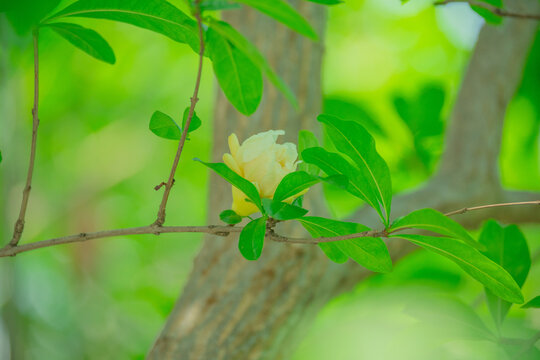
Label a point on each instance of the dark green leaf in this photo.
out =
(195, 121)
(251, 240)
(293, 184)
(353, 140)
(341, 181)
(432, 220)
(284, 13)
(472, 262)
(230, 217)
(534, 303)
(236, 180)
(298, 201)
(85, 39)
(156, 15)
(164, 126)
(306, 139)
(327, 2)
(238, 77)
(282, 211)
(26, 14)
(249, 50)
(488, 15)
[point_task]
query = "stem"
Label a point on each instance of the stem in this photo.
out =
(168, 186)
(464, 210)
(492, 9)
(19, 224)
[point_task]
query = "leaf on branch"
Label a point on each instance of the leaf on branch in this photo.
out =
(230, 217)
(481, 268)
(85, 39)
(164, 126)
(240, 79)
(195, 120)
(251, 239)
(306, 140)
(23, 15)
(284, 13)
(534, 303)
(282, 211)
(293, 184)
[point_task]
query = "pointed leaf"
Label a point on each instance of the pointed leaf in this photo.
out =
(251, 240)
(164, 126)
(238, 77)
(195, 121)
(306, 140)
(282, 211)
(293, 184)
(230, 217)
(534, 303)
(472, 262)
(353, 140)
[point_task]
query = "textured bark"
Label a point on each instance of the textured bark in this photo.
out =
(235, 309)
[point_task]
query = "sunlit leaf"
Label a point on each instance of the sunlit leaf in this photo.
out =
(293, 184)
(230, 217)
(164, 126)
(251, 239)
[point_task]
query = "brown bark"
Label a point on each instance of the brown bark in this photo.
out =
(235, 309)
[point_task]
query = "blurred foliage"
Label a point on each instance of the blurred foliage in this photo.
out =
(109, 298)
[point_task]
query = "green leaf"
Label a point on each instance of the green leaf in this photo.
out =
(353, 140)
(251, 240)
(230, 217)
(249, 50)
(334, 164)
(284, 13)
(156, 15)
(0, 157)
(367, 251)
(293, 184)
(236, 180)
(327, 2)
(534, 303)
(432, 220)
(353, 110)
(306, 140)
(238, 77)
(214, 5)
(508, 248)
(85, 39)
(26, 14)
(472, 262)
(282, 211)
(195, 121)
(164, 126)
(488, 15)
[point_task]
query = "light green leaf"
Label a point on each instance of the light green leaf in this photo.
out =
(306, 139)
(284, 13)
(156, 15)
(230, 217)
(432, 220)
(534, 303)
(249, 50)
(293, 184)
(238, 77)
(472, 262)
(164, 126)
(282, 211)
(85, 39)
(195, 121)
(236, 180)
(251, 240)
(353, 140)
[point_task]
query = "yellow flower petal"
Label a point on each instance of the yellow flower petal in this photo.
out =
(240, 205)
(234, 145)
(232, 164)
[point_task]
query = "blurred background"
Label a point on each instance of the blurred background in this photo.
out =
(396, 67)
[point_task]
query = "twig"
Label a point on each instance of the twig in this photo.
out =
(464, 210)
(493, 9)
(19, 224)
(168, 186)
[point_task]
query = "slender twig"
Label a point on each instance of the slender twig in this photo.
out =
(464, 210)
(19, 224)
(168, 186)
(492, 9)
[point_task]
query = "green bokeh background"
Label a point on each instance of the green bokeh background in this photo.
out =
(98, 163)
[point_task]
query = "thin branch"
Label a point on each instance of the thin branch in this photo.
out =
(492, 9)
(194, 99)
(19, 224)
(464, 210)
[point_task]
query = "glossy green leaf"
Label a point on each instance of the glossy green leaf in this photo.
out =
(284, 13)
(238, 77)
(282, 211)
(23, 15)
(306, 140)
(85, 39)
(249, 50)
(293, 184)
(353, 140)
(156, 15)
(195, 121)
(534, 303)
(251, 239)
(230, 217)
(508, 248)
(488, 15)
(491, 275)
(366, 251)
(236, 180)
(164, 126)
(432, 220)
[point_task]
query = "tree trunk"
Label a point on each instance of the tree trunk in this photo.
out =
(236, 309)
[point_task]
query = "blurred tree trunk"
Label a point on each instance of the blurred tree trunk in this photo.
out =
(235, 309)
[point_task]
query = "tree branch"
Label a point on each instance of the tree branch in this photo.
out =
(170, 182)
(464, 210)
(492, 9)
(19, 224)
